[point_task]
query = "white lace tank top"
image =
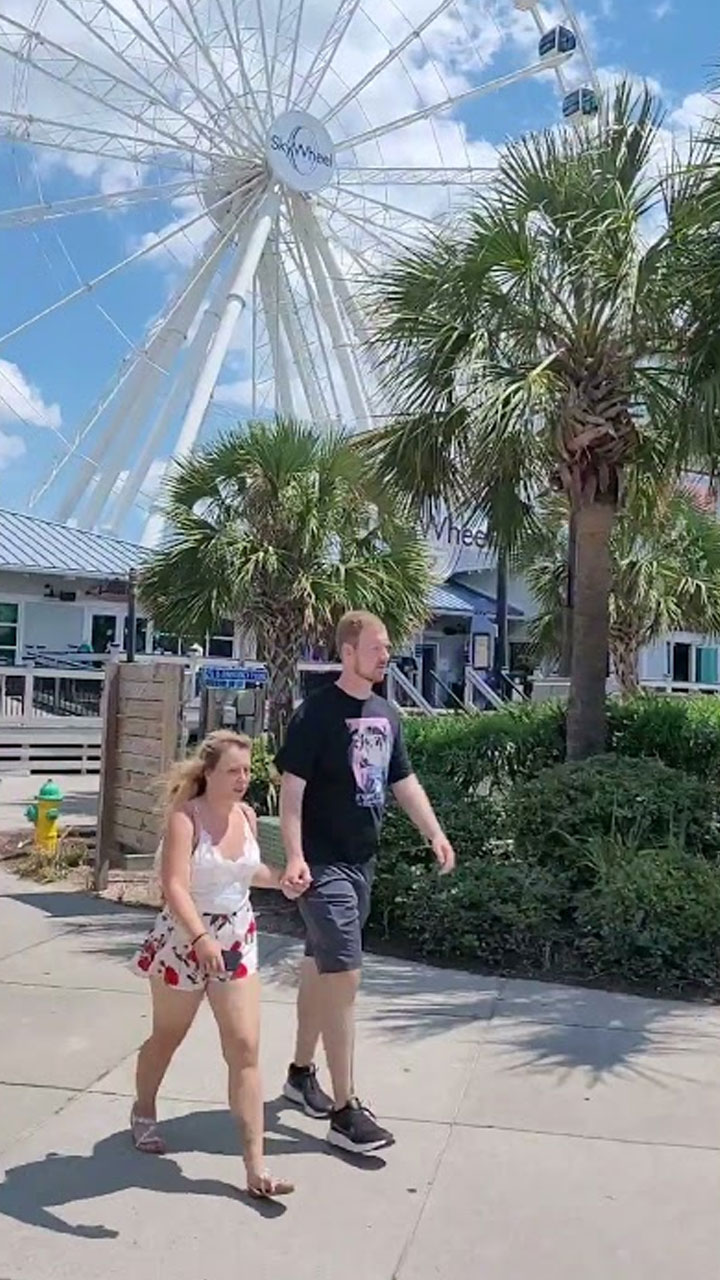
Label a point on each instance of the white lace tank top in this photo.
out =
(220, 885)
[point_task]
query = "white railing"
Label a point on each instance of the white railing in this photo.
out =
(399, 684)
(46, 694)
(474, 683)
(680, 687)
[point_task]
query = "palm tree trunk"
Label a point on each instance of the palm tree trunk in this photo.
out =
(281, 659)
(624, 651)
(567, 634)
(587, 717)
(500, 652)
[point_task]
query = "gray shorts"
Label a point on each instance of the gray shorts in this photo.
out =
(335, 910)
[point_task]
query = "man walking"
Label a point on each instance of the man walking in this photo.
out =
(343, 749)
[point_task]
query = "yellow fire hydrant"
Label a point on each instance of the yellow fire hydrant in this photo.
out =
(45, 814)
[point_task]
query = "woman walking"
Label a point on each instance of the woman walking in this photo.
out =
(204, 942)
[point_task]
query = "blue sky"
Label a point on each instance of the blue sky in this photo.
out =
(51, 375)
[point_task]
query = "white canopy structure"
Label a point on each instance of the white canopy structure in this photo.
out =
(288, 174)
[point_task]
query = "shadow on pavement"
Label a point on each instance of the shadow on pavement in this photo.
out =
(32, 1192)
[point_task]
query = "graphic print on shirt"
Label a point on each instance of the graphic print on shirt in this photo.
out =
(371, 744)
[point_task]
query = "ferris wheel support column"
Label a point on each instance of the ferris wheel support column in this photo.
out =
(235, 304)
(333, 319)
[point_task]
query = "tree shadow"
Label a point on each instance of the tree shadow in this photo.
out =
(31, 1193)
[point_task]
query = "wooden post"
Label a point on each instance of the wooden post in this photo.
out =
(105, 837)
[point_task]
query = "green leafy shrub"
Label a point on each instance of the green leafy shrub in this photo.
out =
(682, 732)
(264, 784)
(495, 911)
(496, 746)
(552, 817)
(651, 916)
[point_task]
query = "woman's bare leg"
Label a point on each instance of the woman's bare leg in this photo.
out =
(236, 1006)
(173, 1015)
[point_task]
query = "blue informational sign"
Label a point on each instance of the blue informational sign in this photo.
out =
(232, 677)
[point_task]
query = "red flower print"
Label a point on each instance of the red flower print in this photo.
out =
(240, 972)
(235, 946)
(144, 962)
(252, 929)
(171, 976)
(192, 956)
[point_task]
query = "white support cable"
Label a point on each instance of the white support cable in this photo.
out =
(449, 104)
(376, 70)
(118, 381)
(112, 271)
(325, 53)
(270, 305)
(306, 231)
(295, 252)
(178, 399)
(413, 215)
(151, 87)
(254, 240)
(383, 239)
(76, 60)
(300, 351)
(97, 203)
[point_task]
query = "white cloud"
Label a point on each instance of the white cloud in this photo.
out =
(661, 10)
(11, 448)
(20, 401)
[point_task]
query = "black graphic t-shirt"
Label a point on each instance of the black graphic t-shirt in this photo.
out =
(349, 752)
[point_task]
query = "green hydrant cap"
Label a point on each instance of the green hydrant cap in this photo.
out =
(50, 791)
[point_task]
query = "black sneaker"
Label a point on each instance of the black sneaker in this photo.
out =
(354, 1128)
(302, 1087)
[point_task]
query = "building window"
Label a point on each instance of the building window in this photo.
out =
(141, 635)
(706, 665)
(220, 645)
(103, 632)
(681, 662)
(481, 652)
(8, 634)
(166, 643)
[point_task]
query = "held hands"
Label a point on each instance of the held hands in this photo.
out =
(297, 878)
(444, 853)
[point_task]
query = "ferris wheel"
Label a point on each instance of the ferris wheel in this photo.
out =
(280, 150)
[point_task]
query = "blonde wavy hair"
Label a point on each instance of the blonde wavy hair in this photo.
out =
(187, 778)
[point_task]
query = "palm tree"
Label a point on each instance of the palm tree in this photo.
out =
(665, 573)
(283, 529)
(543, 329)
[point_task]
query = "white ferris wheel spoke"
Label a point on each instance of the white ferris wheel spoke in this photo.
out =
(340, 284)
(412, 215)
(165, 57)
(196, 34)
(295, 252)
(102, 144)
(269, 297)
(51, 209)
(448, 104)
(72, 65)
(235, 37)
(288, 31)
(454, 176)
(388, 238)
(325, 53)
(391, 57)
(112, 271)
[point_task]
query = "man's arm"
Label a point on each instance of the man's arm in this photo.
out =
(411, 797)
(292, 789)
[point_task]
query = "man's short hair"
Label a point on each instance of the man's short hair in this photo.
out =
(350, 626)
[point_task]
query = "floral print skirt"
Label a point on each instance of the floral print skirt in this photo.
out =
(166, 952)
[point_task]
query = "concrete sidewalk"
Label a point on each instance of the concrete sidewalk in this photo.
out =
(541, 1131)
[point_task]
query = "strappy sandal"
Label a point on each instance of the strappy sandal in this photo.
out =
(265, 1187)
(145, 1135)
